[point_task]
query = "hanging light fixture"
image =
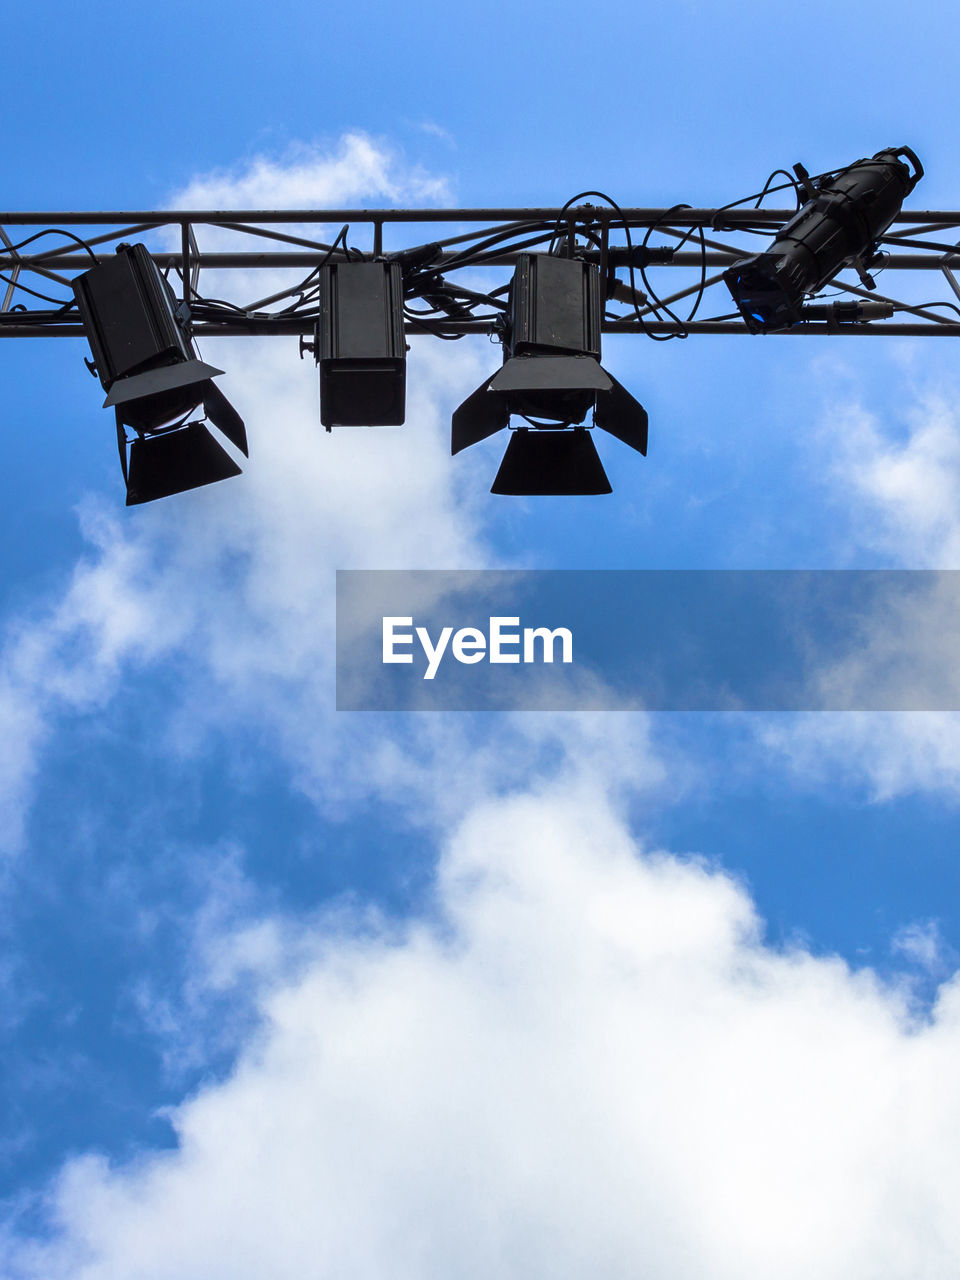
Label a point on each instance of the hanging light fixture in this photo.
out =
(552, 378)
(145, 360)
(360, 345)
(838, 226)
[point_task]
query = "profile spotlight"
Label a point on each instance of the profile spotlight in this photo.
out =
(551, 376)
(153, 379)
(360, 345)
(839, 226)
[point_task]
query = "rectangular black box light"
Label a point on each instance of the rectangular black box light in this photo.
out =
(360, 345)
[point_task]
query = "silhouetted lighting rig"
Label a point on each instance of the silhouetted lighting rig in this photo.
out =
(545, 284)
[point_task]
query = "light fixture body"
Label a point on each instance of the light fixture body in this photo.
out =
(838, 227)
(360, 345)
(551, 371)
(146, 363)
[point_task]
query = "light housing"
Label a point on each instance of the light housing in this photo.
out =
(551, 371)
(146, 363)
(838, 227)
(360, 345)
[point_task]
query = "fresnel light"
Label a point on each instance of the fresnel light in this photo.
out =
(551, 377)
(153, 379)
(838, 226)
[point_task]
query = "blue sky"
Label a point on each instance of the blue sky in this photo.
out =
(235, 921)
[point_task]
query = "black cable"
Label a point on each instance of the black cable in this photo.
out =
(495, 252)
(467, 298)
(921, 306)
(477, 253)
(430, 311)
(51, 231)
(65, 304)
(630, 265)
(767, 190)
(475, 299)
(481, 239)
(656, 303)
(715, 222)
(436, 333)
(218, 304)
(199, 302)
(586, 225)
(703, 268)
(299, 288)
(703, 276)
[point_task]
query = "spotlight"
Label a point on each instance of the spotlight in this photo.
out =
(153, 379)
(839, 226)
(360, 345)
(551, 371)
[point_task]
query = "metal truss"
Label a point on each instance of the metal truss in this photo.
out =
(457, 264)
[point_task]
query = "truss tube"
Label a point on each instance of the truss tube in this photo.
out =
(294, 253)
(932, 261)
(739, 218)
(292, 327)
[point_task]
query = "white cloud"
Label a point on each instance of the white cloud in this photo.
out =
(590, 1064)
(897, 480)
(438, 131)
(889, 753)
(356, 171)
(922, 943)
(66, 658)
(314, 176)
(902, 482)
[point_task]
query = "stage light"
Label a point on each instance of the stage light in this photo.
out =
(837, 227)
(551, 377)
(360, 345)
(146, 363)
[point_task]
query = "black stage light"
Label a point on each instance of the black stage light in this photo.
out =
(153, 379)
(551, 371)
(360, 345)
(838, 227)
